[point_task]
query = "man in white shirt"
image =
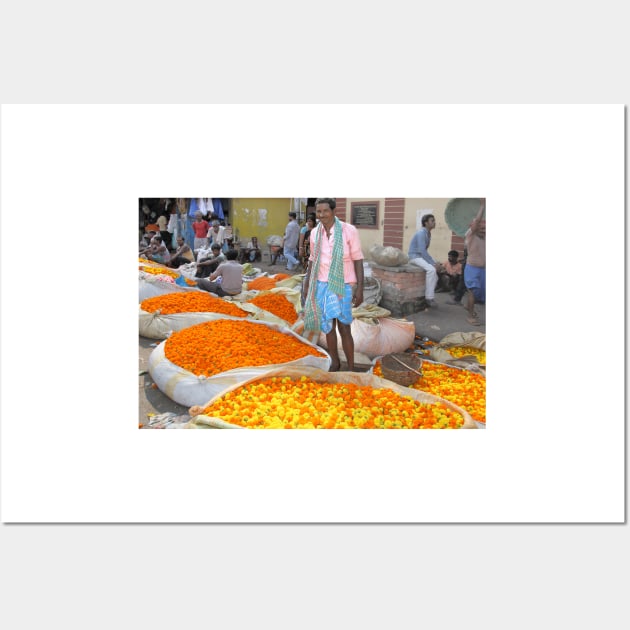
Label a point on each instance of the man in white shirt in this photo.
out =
(290, 241)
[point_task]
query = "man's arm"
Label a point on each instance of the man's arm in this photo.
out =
(357, 298)
(474, 226)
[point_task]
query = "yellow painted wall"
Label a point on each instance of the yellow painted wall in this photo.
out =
(262, 218)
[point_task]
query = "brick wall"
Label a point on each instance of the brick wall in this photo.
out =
(403, 288)
(393, 216)
(341, 208)
(457, 243)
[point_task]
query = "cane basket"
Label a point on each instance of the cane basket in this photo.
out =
(401, 374)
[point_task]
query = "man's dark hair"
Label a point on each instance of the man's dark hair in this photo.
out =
(293, 215)
(453, 252)
(231, 254)
(215, 246)
(332, 203)
(425, 218)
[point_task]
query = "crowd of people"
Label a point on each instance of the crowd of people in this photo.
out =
(329, 252)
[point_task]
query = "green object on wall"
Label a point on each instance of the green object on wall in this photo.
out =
(460, 212)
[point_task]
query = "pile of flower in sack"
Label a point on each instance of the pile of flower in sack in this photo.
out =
(284, 403)
(218, 346)
(462, 387)
(277, 304)
(191, 302)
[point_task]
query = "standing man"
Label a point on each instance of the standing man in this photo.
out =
(290, 241)
(419, 256)
(475, 271)
(200, 226)
(333, 281)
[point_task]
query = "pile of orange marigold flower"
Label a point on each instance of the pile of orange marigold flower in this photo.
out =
(462, 387)
(192, 302)
(277, 304)
(264, 283)
(282, 403)
(218, 346)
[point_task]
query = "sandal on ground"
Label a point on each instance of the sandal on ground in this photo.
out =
(473, 321)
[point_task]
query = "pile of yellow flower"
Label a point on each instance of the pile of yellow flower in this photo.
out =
(462, 387)
(461, 351)
(282, 403)
(160, 270)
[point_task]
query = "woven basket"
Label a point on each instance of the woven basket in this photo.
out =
(394, 371)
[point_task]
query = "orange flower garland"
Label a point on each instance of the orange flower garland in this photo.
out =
(277, 304)
(462, 387)
(193, 302)
(282, 403)
(214, 347)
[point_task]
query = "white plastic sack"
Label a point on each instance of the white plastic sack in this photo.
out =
(382, 335)
(388, 256)
(160, 326)
(151, 286)
(186, 388)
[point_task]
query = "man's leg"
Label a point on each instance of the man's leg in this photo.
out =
(347, 343)
(431, 278)
(207, 285)
(331, 342)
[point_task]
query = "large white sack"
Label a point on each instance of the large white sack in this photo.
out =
(160, 326)
(152, 286)
(381, 335)
(186, 388)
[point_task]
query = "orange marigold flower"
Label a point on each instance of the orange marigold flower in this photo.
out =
(225, 344)
(277, 304)
(283, 403)
(462, 387)
(190, 302)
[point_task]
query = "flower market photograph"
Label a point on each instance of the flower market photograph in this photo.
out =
(312, 313)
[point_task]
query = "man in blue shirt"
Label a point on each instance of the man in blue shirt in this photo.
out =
(419, 256)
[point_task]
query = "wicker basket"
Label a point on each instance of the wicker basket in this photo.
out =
(394, 371)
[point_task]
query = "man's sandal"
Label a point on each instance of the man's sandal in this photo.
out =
(473, 321)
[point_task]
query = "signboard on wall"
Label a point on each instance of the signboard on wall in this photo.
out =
(364, 214)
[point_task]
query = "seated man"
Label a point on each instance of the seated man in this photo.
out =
(157, 251)
(145, 243)
(449, 273)
(182, 255)
(250, 253)
(231, 274)
(208, 263)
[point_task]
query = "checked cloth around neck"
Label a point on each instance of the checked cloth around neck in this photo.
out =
(312, 312)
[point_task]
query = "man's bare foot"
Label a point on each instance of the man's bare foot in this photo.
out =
(334, 367)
